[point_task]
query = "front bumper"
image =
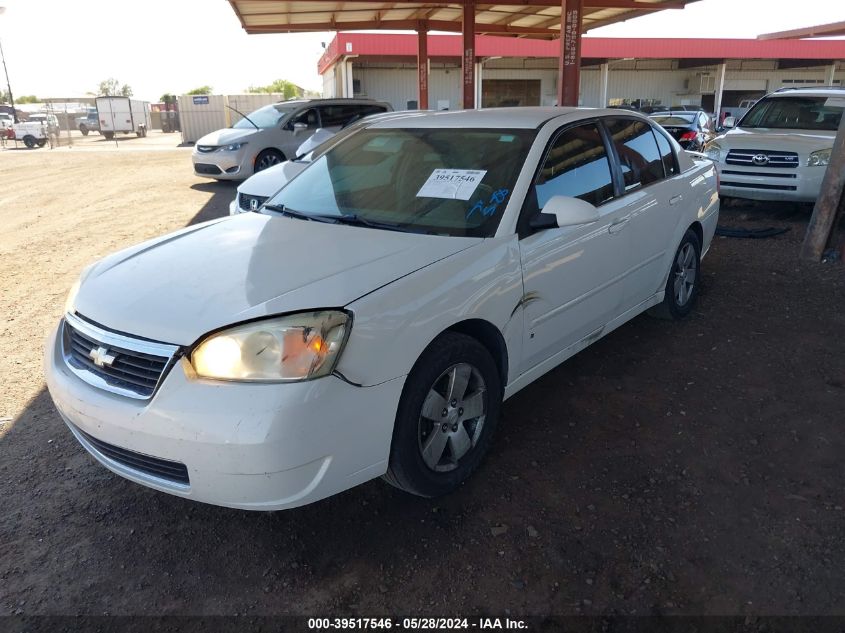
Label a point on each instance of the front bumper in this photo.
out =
(223, 165)
(248, 446)
(801, 184)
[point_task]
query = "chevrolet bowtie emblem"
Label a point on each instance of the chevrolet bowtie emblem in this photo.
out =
(101, 357)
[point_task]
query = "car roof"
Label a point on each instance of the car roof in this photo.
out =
(820, 91)
(527, 118)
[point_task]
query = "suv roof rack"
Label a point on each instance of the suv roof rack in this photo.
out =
(787, 88)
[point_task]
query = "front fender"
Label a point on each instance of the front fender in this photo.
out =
(394, 324)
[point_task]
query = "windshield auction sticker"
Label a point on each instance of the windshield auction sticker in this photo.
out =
(453, 184)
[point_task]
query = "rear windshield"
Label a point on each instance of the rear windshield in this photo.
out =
(443, 181)
(797, 113)
(675, 119)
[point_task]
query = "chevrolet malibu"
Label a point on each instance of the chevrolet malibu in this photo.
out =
(370, 319)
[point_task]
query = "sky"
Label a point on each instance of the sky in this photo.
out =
(56, 48)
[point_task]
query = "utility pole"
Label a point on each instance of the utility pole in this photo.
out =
(8, 85)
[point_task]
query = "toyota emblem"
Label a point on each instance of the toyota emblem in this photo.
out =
(760, 159)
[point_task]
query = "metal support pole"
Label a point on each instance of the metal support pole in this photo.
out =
(468, 56)
(569, 66)
(720, 89)
(831, 74)
(828, 203)
(422, 68)
(604, 81)
(479, 79)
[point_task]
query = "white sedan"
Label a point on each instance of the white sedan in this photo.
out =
(372, 317)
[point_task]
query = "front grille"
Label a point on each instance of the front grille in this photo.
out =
(205, 168)
(245, 201)
(754, 185)
(146, 464)
(762, 174)
(774, 158)
(205, 149)
(126, 366)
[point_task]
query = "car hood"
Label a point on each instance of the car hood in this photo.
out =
(269, 181)
(181, 286)
(226, 136)
(315, 140)
(801, 141)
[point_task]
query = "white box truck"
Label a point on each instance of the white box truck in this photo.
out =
(122, 114)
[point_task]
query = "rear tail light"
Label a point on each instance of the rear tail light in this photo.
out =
(688, 136)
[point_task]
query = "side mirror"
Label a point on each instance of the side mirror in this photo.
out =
(562, 211)
(729, 122)
(299, 127)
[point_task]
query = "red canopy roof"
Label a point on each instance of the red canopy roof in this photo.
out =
(405, 45)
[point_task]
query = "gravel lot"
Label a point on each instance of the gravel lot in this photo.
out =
(691, 468)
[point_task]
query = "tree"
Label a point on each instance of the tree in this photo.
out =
(111, 87)
(280, 86)
(167, 98)
(202, 90)
(27, 99)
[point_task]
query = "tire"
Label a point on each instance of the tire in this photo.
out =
(29, 141)
(108, 135)
(683, 282)
(84, 130)
(432, 454)
(41, 142)
(267, 158)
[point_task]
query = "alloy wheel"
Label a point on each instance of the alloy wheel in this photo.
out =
(452, 417)
(685, 271)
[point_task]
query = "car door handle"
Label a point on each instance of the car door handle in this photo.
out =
(618, 225)
(676, 199)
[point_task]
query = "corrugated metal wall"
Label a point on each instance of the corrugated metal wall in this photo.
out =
(207, 113)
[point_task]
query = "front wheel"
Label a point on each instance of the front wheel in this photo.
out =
(84, 130)
(41, 142)
(267, 158)
(108, 135)
(29, 141)
(684, 277)
(446, 418)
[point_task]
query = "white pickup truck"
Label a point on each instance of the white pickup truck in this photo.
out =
(32, 133)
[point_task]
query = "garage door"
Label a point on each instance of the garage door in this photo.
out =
(500, 93)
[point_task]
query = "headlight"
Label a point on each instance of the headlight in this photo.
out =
(820, 158)
(290, 348)
(234, 147)
(713, 151)
(70, 302)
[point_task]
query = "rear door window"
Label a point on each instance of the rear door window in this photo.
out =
(667, 155)
(639, 157)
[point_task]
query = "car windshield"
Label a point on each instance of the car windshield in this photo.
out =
(675, 119)
(443, 181)
(268, 116)
(797, 113)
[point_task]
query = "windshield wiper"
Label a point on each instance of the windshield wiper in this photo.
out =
(356, 220)
(280, 208)
(244, 116)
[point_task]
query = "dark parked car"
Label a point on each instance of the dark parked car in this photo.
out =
(691, 129)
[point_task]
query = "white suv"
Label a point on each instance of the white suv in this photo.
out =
(780, 149)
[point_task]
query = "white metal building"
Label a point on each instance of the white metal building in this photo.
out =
(615, 71)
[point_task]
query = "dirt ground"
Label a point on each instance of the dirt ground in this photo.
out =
(689, 468)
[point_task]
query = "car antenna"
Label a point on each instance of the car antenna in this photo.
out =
(244, 116)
